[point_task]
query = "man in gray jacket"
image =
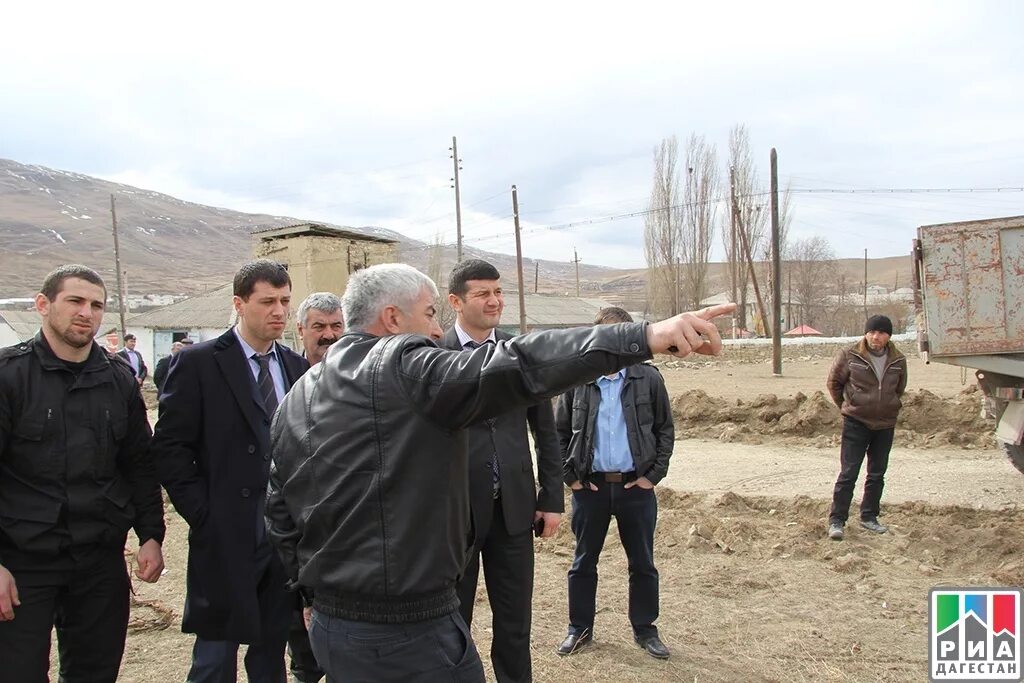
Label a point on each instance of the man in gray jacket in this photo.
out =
(368, 502)
(616, 436)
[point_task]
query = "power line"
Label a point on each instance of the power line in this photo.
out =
(904, 190)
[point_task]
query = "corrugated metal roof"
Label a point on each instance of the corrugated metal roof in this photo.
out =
(550, 311)
(26, 323)
(317, 229)
(210, 310)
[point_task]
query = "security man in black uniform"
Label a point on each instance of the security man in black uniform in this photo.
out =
(75, 476)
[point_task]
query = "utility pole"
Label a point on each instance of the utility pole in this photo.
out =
(776, 271)
(117, 268)
(865, 284)
(789, 297)
(536, 276)
(576, 260)
(456, 164)
(732, 235)
(519, 263)
(679, 298)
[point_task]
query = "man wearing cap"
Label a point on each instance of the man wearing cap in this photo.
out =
(867, 382)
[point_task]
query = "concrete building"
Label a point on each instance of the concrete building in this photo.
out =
(321, 257)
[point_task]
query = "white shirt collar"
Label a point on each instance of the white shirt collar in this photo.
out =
(464, 337)
(248, 350)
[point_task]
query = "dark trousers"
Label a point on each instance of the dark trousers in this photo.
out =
(859, 440)
(303, 665)
(508, 573)
(216, 661)
(419, 652)
(89, 607)
(636, 512)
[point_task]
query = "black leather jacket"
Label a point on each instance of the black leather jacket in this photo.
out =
(649, 427)
(74, 453)
(368, 501)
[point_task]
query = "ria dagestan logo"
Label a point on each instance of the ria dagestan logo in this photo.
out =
(974, 634)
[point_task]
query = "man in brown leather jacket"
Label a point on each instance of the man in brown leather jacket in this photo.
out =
(866, 382)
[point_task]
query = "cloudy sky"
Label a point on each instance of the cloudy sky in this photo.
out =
(345, 113)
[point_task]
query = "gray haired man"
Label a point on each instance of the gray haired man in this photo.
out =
(320, 324)
(368, 502)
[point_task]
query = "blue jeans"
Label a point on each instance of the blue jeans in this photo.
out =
(428, 651)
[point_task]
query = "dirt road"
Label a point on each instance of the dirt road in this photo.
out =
(943, 476)
(751, 590)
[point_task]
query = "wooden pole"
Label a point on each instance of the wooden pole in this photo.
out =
(753, 278)
(776, 270)
(733, 260)
(117, 268)
(519, 263)
(865, 284)
(576, 260)
(458, 204)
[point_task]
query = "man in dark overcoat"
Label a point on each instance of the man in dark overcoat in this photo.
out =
(212, 450)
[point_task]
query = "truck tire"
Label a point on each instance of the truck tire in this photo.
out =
(1015, 453)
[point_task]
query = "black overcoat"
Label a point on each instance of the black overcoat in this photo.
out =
(212, 450)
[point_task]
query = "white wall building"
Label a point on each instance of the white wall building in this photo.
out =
(200, 318)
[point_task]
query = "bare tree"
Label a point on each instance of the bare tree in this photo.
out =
(750, 213)
(813, 264)
(698, 228)
(435, 271)
(662, 231)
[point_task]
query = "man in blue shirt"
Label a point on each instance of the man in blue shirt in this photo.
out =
(616, 437)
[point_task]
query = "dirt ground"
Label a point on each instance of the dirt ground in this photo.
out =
(751, 589)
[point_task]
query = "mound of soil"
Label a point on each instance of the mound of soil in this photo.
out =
(928, 539)
(926, 419)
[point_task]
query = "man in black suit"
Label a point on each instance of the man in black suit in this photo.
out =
(134, 358)
(504, 497)
(212, 449)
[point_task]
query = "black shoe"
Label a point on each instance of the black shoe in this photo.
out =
(574, 642)
(653, 646)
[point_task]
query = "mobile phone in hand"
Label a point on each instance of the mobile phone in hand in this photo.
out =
(538, 527)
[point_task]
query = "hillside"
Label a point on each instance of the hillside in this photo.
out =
(49, 217)
(168, 245)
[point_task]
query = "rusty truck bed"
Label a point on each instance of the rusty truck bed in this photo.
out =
(970, 278)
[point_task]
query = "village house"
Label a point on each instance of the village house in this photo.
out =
(202, 317)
